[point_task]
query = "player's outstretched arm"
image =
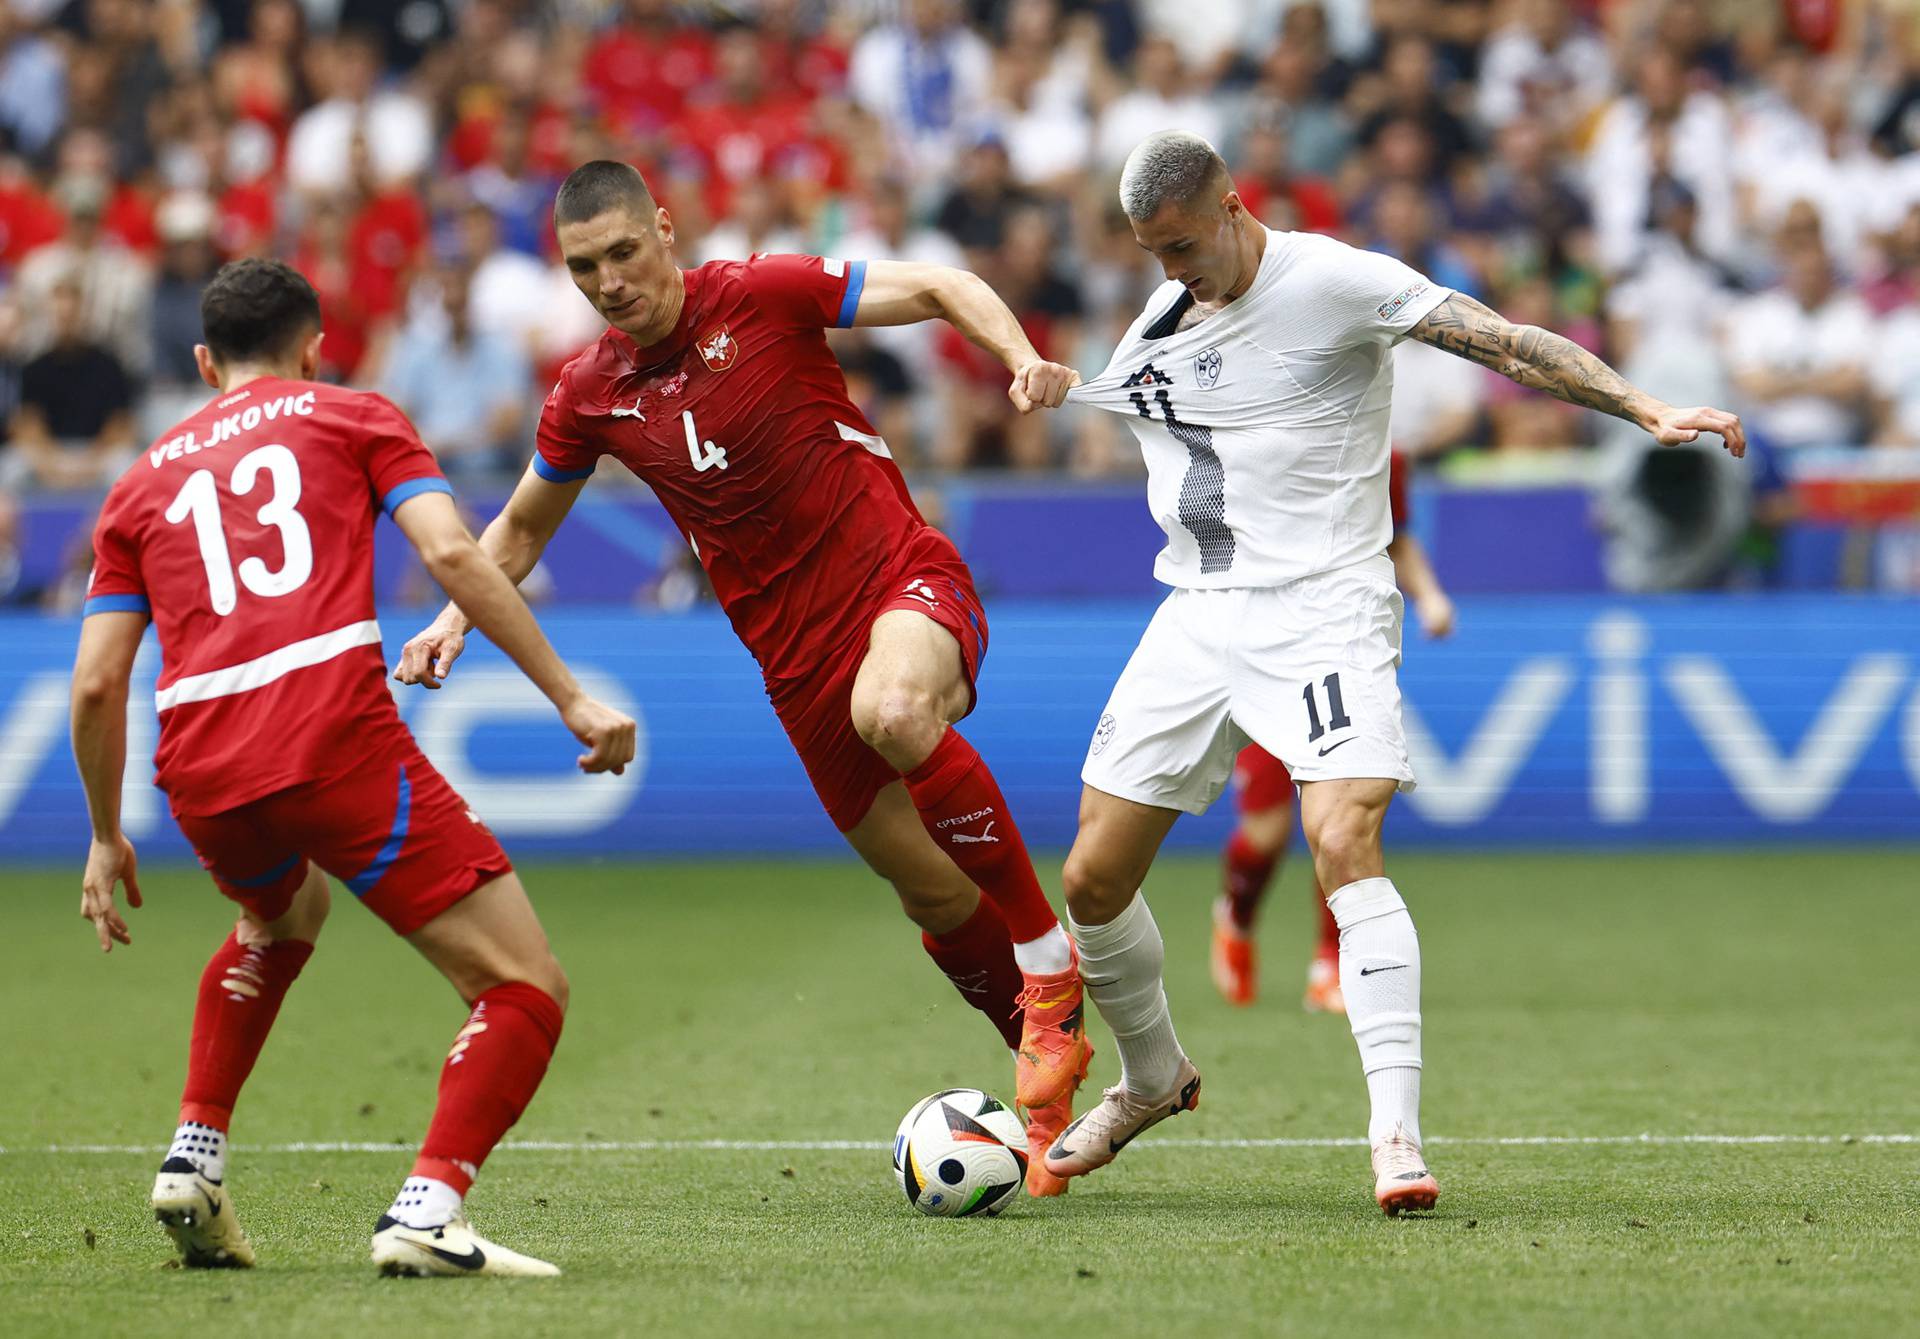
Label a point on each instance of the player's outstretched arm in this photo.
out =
(1555, 364)
(1414, 573)
(899, 292)
(514, 540)
(108, 643)
(479, 587)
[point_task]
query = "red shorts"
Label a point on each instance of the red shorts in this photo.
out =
(393, 831)
(931, 579)
(1260, 781)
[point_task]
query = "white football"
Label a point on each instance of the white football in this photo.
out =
(960, 1152)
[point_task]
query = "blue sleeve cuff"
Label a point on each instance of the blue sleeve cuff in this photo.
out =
(414, 488)
(116, 604)
(850, 304)
(553, 474)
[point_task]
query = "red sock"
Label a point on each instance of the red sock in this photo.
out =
(497, 1061)
(1329, 945)
(240, 994)
(962, 807)
(978, 958)
(1248, 872)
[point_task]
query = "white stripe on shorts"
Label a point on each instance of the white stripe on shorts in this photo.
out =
(260, 672)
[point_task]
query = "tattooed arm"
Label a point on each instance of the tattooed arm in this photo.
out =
(1555, 364)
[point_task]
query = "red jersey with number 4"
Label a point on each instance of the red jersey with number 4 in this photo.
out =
(739, 420)
(246, 534)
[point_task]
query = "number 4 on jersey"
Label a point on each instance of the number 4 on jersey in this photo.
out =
(704, 455)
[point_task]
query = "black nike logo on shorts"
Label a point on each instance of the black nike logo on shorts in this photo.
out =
(1369, 971)
(1331, 747)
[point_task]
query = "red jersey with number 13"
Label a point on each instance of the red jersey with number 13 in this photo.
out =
(740, 422)
(246, 534)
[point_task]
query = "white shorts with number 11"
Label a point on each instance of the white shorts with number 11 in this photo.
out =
(1307, 670)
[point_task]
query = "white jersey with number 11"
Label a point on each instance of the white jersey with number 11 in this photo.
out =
(1264, 425)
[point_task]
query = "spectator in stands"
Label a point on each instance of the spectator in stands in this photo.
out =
(758, 225)
(1407, 90)
(1272, 190)
(1405, 227)
(33, 85)
(1895, 381)
(1894, 279)
(187, 261)
(1661, 127)
(1672, 298)
(974, 214)
(510, 289)
(1289, 87)
(1163, 96)
(1049, 139)
(1800, 354)
(74, 424)
(466, 388)
(396, 126)
(115, 285)
(519, 196)
(1543, 68)
(923, 77)
(640, 71)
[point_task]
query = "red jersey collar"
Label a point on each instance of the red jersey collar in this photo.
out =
(675, 341)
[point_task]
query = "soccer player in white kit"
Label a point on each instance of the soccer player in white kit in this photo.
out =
(1258, 381)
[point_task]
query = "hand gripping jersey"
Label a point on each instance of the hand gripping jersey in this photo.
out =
(247, 534)
(1264, 426)
(739, 421)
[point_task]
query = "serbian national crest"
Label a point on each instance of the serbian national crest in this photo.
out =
(1206, 369)
(717, 348)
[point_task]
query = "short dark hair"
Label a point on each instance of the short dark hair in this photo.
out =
(592, 189)
(257, 308)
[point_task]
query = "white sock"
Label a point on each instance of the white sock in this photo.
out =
(1380, 978)
(1048, 955)
(203, 1146)
(424, 1202)
(1120, 962)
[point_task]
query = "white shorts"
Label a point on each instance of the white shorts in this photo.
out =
(1306, 670)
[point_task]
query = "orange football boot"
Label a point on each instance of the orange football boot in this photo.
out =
(1054, 1051)
(1236, 964)
(1323, 987)
(1043, 1127)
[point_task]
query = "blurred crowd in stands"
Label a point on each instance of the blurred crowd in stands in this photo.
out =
(1720, 196)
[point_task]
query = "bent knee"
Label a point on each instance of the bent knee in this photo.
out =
(898, 719)
(1095, 892)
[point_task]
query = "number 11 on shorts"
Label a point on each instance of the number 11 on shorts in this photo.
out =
(1337, 718)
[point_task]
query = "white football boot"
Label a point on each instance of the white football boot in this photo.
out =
(1401, 1180)
(1096, 1139)
(452, 1250)
(198, 1214)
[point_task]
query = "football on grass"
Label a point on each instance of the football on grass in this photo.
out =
(960, 1152)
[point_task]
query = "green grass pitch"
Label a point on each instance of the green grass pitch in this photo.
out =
(1700, 994)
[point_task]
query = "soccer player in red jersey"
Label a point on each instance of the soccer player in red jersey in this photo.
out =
(716, 387)
(245, 535)
(1264, 790)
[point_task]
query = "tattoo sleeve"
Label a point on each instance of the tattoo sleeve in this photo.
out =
(1531, 356)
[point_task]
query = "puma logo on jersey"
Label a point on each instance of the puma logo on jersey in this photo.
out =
(921, 591)
(631, 411)
(717, 349)
(1147, 376)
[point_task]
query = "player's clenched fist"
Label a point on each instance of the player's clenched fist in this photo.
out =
(1041, 385)
(608, 734)
(428, 656)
